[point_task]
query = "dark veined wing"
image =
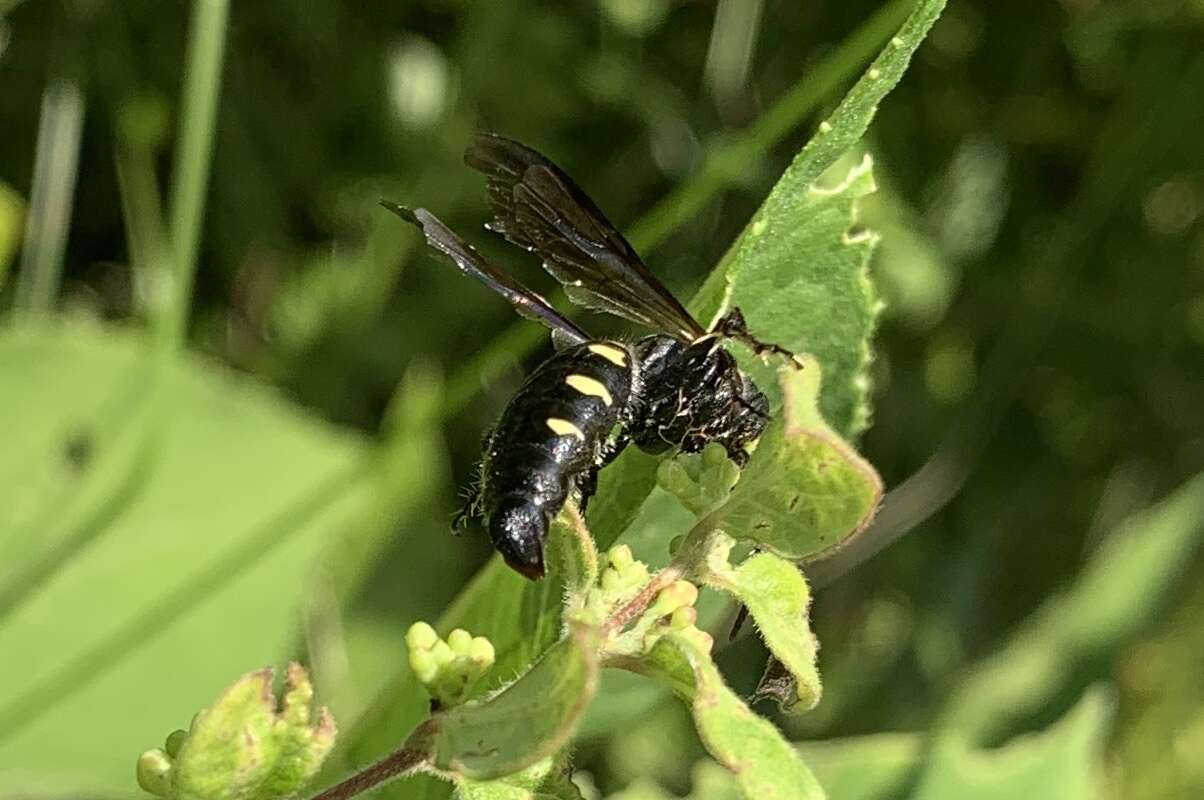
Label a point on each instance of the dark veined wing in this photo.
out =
(538, 207)
(470, 262)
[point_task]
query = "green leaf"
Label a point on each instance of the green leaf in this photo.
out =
(878, 767)
(1064, 761)
(776, 596)
(799, 271)
(527, 721)
(763, 762)
(805, 491)
(545, 780)
(128, 544)
(642, 790)
(699, 481)
(1119, 591)
(709, 781)
(242, 747)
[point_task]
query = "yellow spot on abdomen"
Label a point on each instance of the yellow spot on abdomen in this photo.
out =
(589, 386)
(562, 427)
(611, 353)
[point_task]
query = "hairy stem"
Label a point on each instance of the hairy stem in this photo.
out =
(687, 563)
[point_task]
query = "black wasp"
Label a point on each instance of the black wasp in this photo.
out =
(675, 389)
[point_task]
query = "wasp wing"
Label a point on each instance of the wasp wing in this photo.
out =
(538, 207)
(470, 262)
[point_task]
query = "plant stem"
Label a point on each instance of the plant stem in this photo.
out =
(403, 761)
(690, 557)
(55, 163)
(646, 596)
(194, 150)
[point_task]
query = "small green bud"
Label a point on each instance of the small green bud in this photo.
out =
(421, 636)
(674, 596)
(636, 575)
(175, 740)
(611, 582)
(154, 772)
(459, 641)
(481, 651)
(620, 557)
(701, 639)
(683, 592)
(446, 668)
(442, 653)
(686, 617)
(713, 455)
(425, 666)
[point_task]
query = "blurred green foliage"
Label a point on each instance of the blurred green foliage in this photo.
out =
(1038, 366)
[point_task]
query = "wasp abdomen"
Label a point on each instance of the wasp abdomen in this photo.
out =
(550, 435)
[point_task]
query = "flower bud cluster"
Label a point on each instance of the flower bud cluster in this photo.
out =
(700, 481)
(155, 766)
(448, 667)
(673, 610)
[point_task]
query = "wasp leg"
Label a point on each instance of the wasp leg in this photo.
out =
(732, 326)
(611, 449)
(738, 623)
(587, 484)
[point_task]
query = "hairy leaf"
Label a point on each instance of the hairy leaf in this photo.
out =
(798, 271)
(527, 721)
(545, 780)
(242, 748)
(776, 596)
(805, 491)
(764, 763)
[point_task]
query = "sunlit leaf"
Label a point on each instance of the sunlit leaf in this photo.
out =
(245, 748)
(764, 763)
(799, 270)
(805, 490)
(776, 596)
(545, 780)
